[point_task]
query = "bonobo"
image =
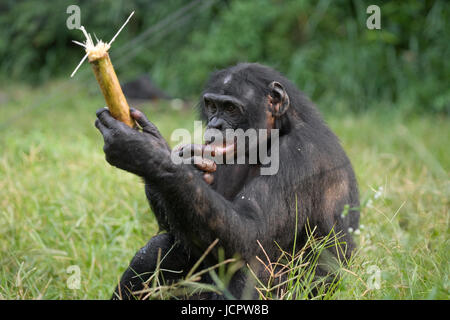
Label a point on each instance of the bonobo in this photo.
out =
(236, 203)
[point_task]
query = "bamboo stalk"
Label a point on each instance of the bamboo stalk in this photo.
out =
(106, 76)
(110, 86)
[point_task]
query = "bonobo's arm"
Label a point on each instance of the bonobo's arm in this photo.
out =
(201, 214)
(137, 143)
(111, 130)
(194, 209)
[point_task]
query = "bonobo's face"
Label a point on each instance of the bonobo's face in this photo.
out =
(224, 111)
(228, 110)
(234, 106)
(231, 102)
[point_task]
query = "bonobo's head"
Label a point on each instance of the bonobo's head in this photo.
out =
(246, 96)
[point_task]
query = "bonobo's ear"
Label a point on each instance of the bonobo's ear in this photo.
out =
(278, 99)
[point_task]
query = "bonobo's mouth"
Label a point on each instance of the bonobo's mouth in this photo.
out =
(217, 149)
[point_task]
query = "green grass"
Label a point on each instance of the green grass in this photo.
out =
(61, 204)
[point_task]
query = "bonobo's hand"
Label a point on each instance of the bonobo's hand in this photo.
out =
(195, 155)
(142, 152)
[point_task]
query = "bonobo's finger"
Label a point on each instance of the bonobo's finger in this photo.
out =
(104, 130)
(140, 117)
(189, 150)
(178, 148)
(100, 110)
(143, 121)
(106, 118)
(200, 150)
(206, 165)
(209, 178)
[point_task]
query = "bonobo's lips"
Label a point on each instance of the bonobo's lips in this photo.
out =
(226, 148)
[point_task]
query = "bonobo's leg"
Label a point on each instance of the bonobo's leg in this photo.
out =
(173, 257)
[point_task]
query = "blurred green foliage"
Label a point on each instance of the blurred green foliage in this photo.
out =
(323, 46)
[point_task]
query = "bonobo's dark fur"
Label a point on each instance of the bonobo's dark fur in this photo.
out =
(241, 206)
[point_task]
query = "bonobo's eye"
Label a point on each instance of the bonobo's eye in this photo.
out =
(229, 107)
(210, 107)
